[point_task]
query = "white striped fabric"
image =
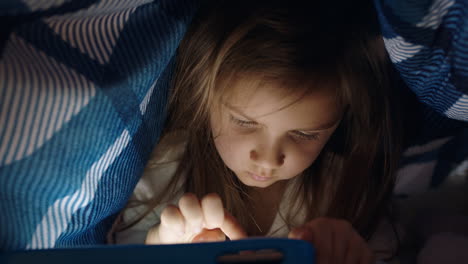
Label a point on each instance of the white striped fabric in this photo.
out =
(105, 7)
(459, 109)
(146, 100)
(61, 211)
(84, 29)
(80, 109)
(437, 11)
(400, 50)
(37, 5)
(427, 42)
(40, 95)
(85, 32)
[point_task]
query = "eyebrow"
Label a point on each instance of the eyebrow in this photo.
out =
(315, 129)
(322, 127)
(239, 112)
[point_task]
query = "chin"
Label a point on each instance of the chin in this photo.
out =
(260, 185)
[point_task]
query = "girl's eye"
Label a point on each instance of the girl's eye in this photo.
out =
(306, 136)
(242, 123)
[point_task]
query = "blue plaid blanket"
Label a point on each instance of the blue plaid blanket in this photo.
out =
(428, 43)
(83, 89)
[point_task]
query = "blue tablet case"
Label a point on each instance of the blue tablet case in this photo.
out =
(257, 250)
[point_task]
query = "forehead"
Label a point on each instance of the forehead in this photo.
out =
(299, 106)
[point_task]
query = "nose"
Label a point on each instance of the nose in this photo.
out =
(268, 157)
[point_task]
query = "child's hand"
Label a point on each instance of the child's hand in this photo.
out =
(195, 221)
(335, 241)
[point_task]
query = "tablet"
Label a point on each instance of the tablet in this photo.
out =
(246, 251)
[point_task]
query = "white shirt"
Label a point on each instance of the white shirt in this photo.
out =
(157, 175)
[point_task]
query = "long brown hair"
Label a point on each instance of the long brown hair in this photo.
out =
(294, 42)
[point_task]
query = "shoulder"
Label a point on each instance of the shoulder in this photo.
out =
(161, 166)
(155, 179)
(169, 148)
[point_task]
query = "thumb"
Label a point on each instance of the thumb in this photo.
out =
(232, 228)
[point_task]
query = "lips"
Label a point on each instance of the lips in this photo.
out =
(258, 177)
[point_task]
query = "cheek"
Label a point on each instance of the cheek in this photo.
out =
(231, 148)
(303, 155)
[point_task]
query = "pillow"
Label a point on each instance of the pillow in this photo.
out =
(83, 89)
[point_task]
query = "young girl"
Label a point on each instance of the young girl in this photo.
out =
(281, 124)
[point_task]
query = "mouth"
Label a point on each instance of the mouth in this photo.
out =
(258, 177)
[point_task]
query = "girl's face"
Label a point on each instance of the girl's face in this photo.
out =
(265, 135)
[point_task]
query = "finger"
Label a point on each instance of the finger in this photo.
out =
(342, 233)
(172, 220)
(354, 252)
(213, 211)
(152, 237)
(324, 243)
(304, 233)
(212, 235)
(319, 233)
(232, 228)
(367, 256)
(190, 208)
